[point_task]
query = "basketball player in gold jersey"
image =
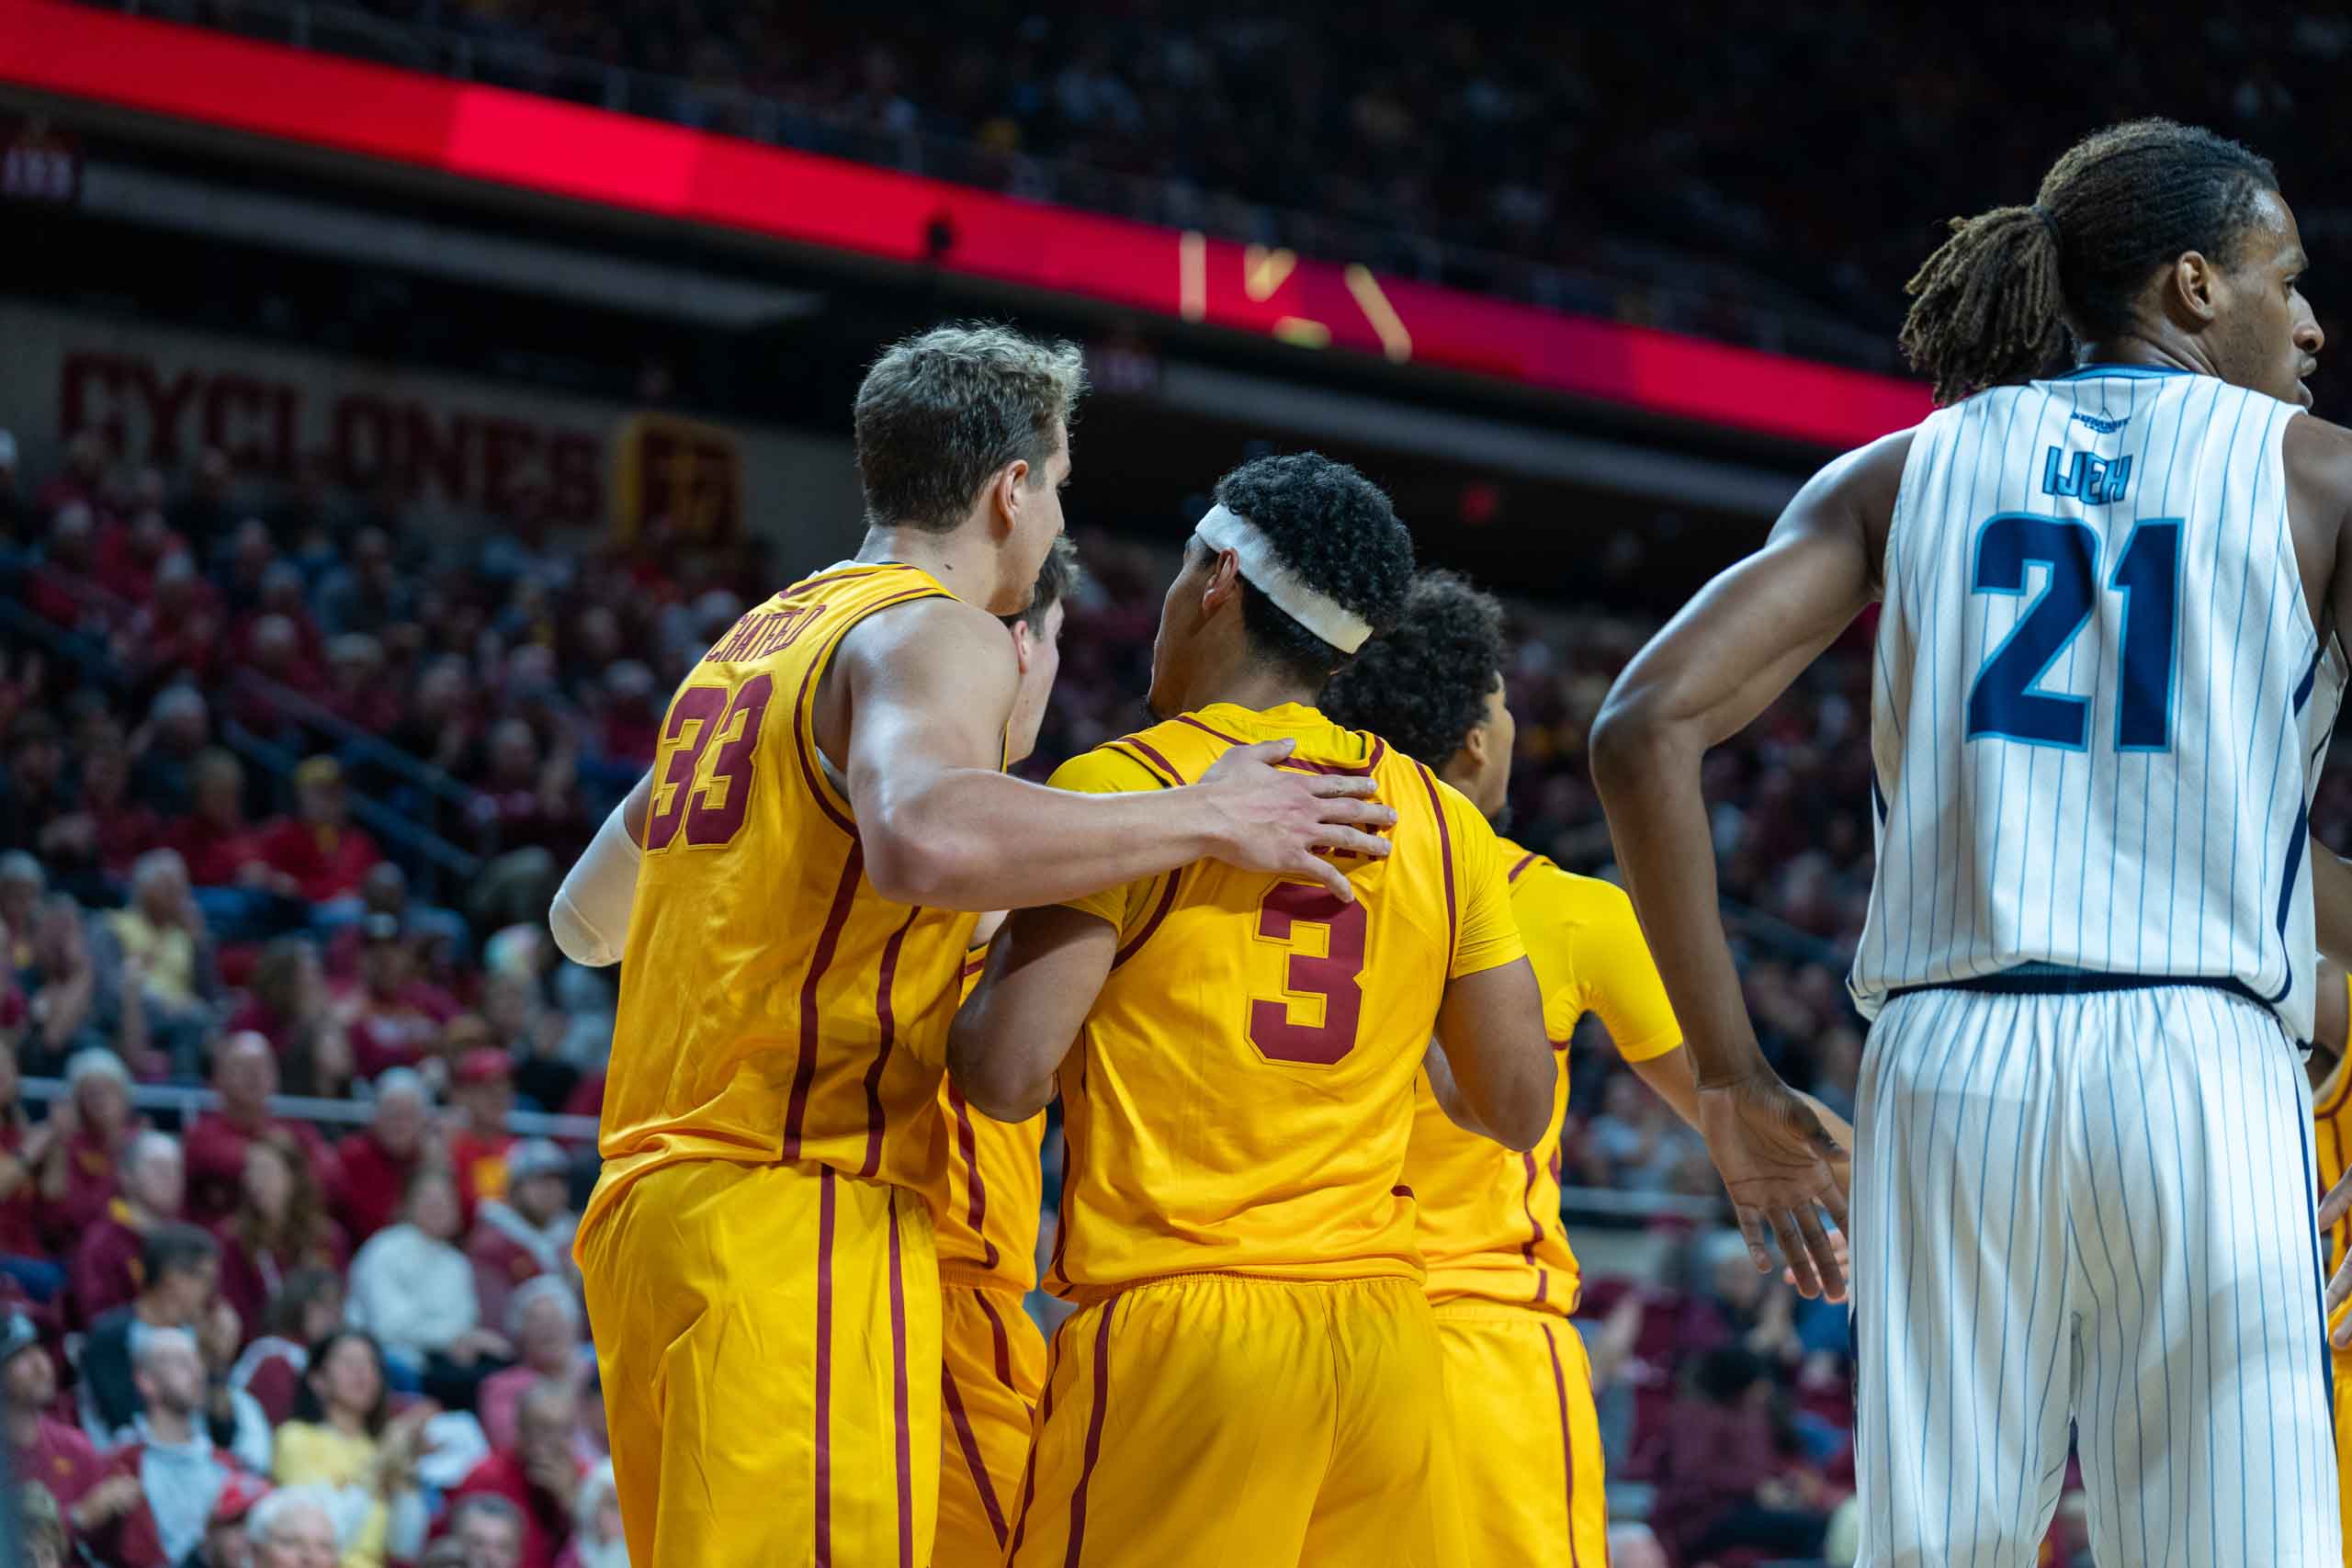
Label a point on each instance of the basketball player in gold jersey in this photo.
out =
(2331, 1070)
(984, 1205)
(985, 1199)
(825, 815)
(1502, 1279)
(1252, 1374)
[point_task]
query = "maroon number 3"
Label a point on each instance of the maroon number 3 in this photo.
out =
(1335, 975)
(709, 804)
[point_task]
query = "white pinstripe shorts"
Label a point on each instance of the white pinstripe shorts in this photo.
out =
(2092, 1210)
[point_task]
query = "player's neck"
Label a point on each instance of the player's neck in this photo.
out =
(2162, 348)
(964, 560)
(1247, 684)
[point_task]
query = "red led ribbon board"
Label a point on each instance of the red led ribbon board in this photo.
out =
(541, 144)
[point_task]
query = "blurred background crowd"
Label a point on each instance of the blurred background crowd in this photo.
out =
(1663, 165)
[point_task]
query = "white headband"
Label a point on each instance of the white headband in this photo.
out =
(1310, 607)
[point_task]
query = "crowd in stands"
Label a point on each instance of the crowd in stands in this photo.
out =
(1655, 163)
(383, 1324)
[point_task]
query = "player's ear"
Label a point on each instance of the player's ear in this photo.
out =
(1024, 646)
(2194, 287)
(1476, 743)
(1009, 491)
(1225, 582)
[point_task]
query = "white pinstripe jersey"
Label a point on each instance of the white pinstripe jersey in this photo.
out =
(2100, 700)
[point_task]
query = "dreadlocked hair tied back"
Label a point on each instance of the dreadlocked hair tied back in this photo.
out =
(2013, 291)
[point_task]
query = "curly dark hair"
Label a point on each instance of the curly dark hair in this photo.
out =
(1423, 686)
(1336, 529)
(2007, 296)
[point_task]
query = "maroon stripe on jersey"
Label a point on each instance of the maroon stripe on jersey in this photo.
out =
(1535, 1225)
(1567, 1443)
(953, 1398)
(1069, 1180)
(804, 743)
(824, 1476)
(1445, 851)
(1153, 762)
(804, 1072)
(899, 1394)
(1093, 1434)
(1158, 913)
(967, 1144)
(1400, 1190)
(1344, 770)
(804, 740)
(1003, 1342)
(1029, 1471)
(1524, 861)
(885, 1014)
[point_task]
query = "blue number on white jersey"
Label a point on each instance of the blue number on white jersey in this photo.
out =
(2099, 698)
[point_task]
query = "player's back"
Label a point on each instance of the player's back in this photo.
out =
(1240, 1097)
(2098, 694)
(1490, 1217)
(772, 1005)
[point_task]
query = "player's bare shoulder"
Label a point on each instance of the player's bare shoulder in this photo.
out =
(2317, 456)
(936, 648)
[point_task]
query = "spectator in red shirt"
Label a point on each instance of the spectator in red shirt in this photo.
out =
(280, 1225)
(1722, 1481)
(222, 848)
(179, 629)
(50, 1453)
(105, 829)
(486, 1530)
(318, 846)
(290, 1005)
(374, 1167)
(526, 1234)
(538, 1474)
(32, 789)
(278, 592)
(357, 693)
(392, 1016)
(93, 1127)
(149, 1192)
(63, 589)
(274, 651)
(245, 1074)
(528, 802)
(478, 1150)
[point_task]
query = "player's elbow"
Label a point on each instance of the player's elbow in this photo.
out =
(993, 1081)
(1523, 1114)
(909, 862)
(576, 938)
(1629, 736)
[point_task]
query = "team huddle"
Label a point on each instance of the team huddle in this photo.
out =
(808, 1258)
(1303, 1008)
